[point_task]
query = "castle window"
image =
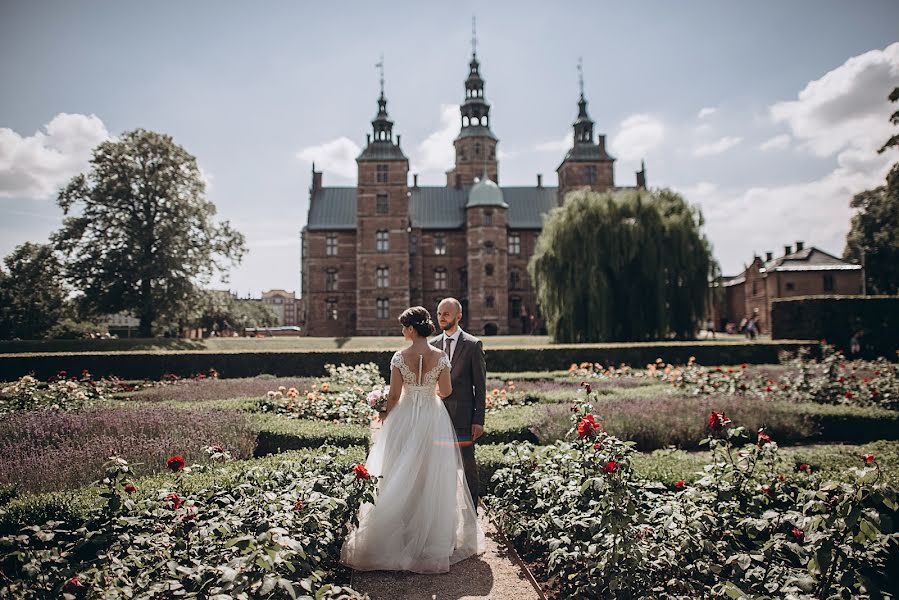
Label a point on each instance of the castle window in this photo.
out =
(382, 240)
(440, 278)
(382, 204)
(492, 150)
(514, 243)
(489, 301)
(828, 283)
(413, 245)
(488, 218)
(440, 244)
(383, 305)
(331, 245)
(331, 280)
(463, 278)
(488, 270)
(590, 174)
(477, 148)
(790, 286)
(381, 172)
(514, 307)
(382, 277)
(514, 279)
(489, 248)
(331, 309)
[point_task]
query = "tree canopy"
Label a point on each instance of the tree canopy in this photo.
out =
(629, 266)
(141, 235)
(32, 292)
(873, 237)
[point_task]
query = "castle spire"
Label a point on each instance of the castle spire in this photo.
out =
(380, 143)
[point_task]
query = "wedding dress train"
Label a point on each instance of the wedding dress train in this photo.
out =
(423, 518)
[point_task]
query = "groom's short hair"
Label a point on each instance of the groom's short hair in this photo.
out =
(457, 304)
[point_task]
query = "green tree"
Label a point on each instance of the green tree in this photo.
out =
(622, 267)
(144, 236)
(215, 310)
(32, 292)
(873, 237)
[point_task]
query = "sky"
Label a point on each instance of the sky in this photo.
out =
(767, 115)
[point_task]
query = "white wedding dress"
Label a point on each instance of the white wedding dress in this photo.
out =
(423, 518)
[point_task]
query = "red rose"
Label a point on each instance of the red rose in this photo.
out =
(680, 484)
(848, 395)
(766, 489)
(587, 426)
(174, 500)
(730, 370)
(717, 421)
(175, 463)
(840, 379)
(610, 467)
(764, 438)
(781, 478)
(72, 585)
(597, 446)
(875, 393)
(744, 366)
(717, 369)
(130, 488)
(804, 467)
(361, 472)
(587, 387)
(298, 505)
(798, 534)
(743, 386)
(768, 389)
(869, 459)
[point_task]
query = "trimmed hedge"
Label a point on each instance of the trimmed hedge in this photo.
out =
(279, 434)
(836, 318)
(311, 363)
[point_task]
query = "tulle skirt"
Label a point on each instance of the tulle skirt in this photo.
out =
(423, 518)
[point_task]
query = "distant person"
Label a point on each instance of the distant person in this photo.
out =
(855, 343)
(710, 328)
(741, 328)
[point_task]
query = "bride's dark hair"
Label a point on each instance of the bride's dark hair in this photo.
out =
(419, 319)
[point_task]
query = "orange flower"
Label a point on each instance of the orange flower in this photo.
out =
(326, 386)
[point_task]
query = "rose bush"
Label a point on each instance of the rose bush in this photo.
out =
(591, 528)
(271, 533)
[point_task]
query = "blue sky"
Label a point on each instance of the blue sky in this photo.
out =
(766, 114)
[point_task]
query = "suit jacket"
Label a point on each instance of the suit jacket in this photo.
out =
(469, 376)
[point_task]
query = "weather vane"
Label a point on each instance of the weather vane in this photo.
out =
(580, 74)
(474, 36)
(380, 66)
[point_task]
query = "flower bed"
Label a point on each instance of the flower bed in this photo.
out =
(48, 450)
(592, 528)
(270, 532)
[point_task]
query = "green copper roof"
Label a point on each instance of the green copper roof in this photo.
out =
(486, 193)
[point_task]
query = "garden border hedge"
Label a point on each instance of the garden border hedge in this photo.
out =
(311, 363)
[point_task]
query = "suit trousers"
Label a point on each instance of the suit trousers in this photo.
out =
(466, 448)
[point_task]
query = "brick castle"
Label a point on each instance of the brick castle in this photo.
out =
(370, 251)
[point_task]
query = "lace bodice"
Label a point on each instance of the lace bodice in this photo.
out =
(428, 378)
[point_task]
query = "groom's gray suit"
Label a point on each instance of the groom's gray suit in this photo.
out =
(466, 404)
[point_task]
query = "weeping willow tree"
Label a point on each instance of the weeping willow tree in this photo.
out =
(629, 266)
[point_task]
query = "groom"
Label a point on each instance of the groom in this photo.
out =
(469, 376)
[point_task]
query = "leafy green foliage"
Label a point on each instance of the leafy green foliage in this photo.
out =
(622, 267)
(272, 533)
(32, 293)
(143, 233)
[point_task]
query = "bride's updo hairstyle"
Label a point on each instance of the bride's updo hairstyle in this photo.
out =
(419, 319)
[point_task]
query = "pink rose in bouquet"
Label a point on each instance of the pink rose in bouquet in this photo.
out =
(377, 398)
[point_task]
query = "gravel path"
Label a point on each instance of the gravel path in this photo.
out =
(493, 575)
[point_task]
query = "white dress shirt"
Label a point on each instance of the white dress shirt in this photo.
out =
(455, 337)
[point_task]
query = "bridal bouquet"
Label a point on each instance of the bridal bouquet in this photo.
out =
(377, 398)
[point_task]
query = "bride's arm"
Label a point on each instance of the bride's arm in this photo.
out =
(396, 387)
(444, 383)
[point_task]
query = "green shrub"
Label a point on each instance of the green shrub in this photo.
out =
(837, 318)
(509, 425)
(278, 434)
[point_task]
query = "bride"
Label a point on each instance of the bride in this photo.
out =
(423, 519)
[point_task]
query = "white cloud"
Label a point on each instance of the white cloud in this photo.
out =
(778, 142)
(436, 152)
(38, 165)
(337, 156)
(560, 145)
(717, 147)
(637, 135)
(706, 112)
(847, 107)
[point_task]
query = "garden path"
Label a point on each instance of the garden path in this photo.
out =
(495, 575)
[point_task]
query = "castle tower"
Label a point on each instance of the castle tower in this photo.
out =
(587, 164)
(488, 271)
(476, 144)
(382, 222)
